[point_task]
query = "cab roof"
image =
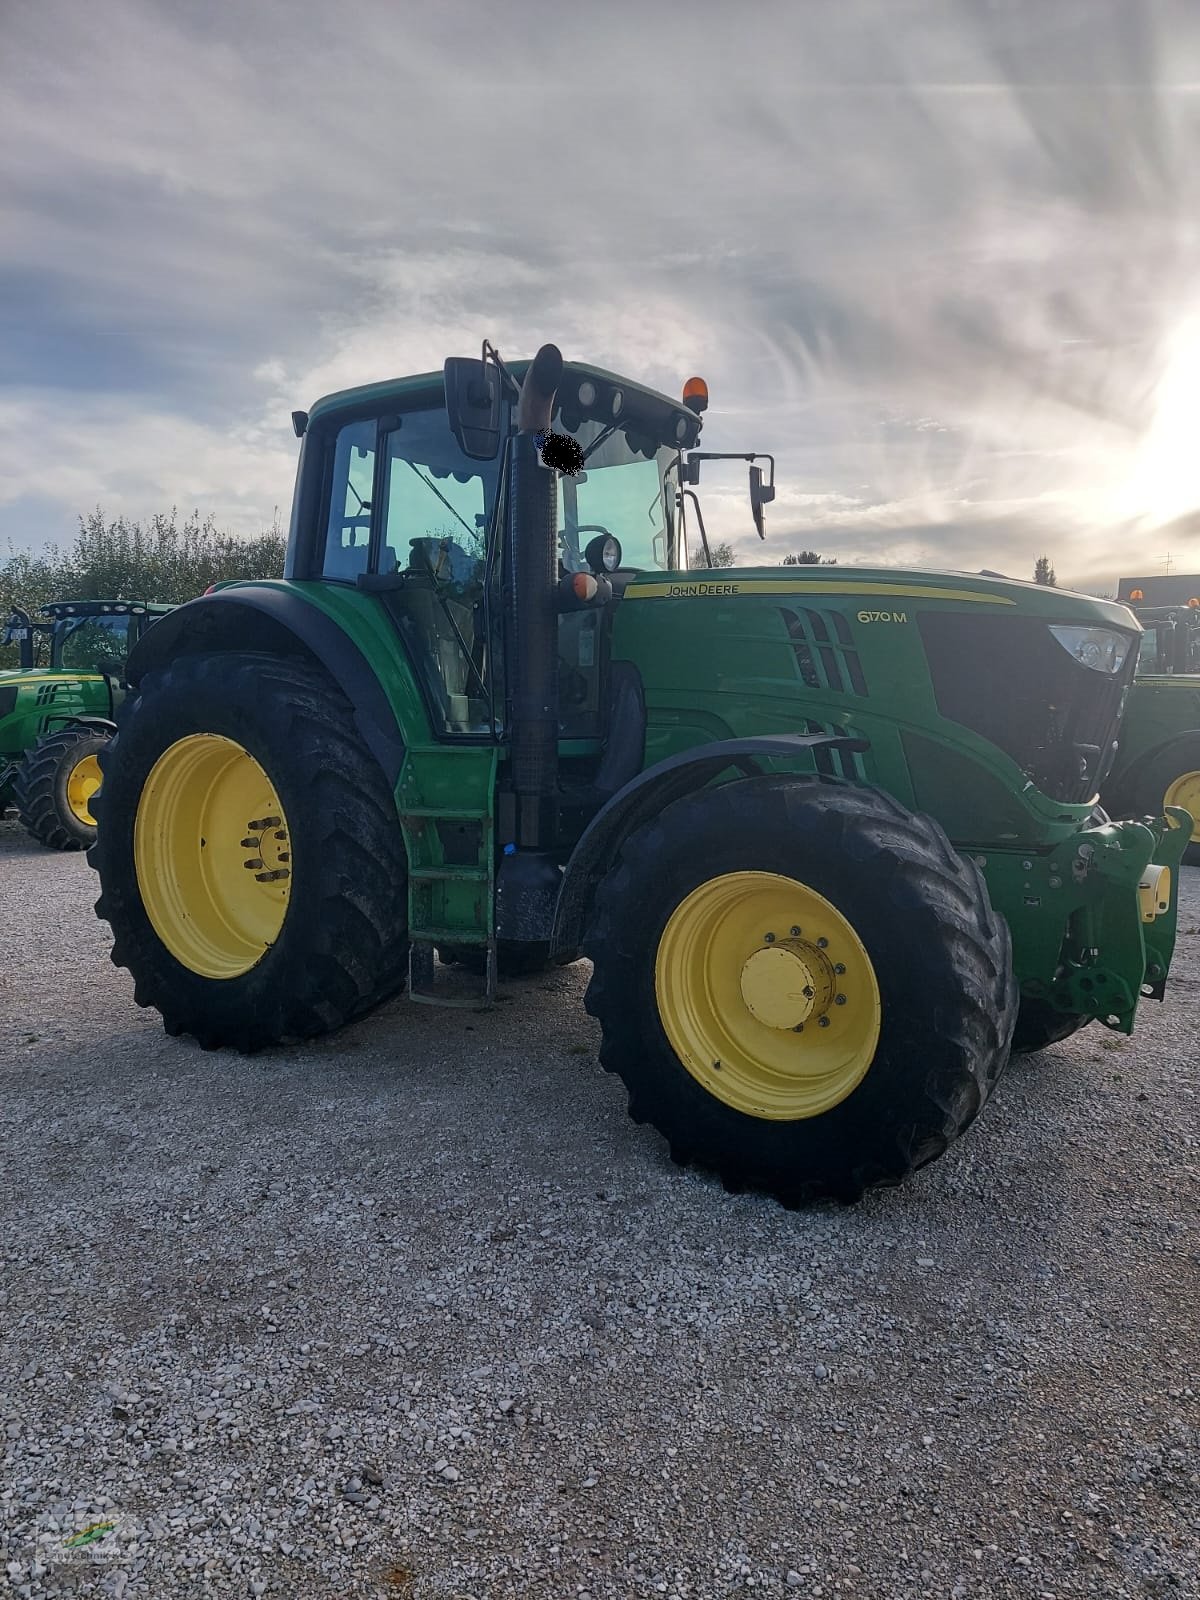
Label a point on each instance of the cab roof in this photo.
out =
(408, 393)
(105, 608)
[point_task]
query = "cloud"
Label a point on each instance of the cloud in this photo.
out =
(938, 259)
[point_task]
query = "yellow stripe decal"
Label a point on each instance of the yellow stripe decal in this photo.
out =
(847, 591)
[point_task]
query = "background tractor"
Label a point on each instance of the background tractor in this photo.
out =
(1158, 763)
(57, 707)
(822, 836)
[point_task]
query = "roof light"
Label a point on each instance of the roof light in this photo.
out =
(1194, 603)
(618, 402)
(1136, 594)
(587, 393)
(695, 395)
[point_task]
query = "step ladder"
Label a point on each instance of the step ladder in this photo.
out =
(451, 902)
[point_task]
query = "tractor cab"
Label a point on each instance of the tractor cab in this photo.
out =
(97, 635)
(1171, 646)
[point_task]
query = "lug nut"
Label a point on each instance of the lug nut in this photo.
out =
(824, 1023)
(839, 999)
(822, 944)
(249, 844)
(795, 933)
(808, 991)
(799, 1028)
(252, 865)
(769, 938)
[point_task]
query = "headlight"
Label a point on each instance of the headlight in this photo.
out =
(1098, 648)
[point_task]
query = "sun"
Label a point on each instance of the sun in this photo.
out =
(1164, 481)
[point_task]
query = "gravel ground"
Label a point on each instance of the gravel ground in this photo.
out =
(417, 1312)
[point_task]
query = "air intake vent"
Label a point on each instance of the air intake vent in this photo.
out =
(825, 653)
(836, 763)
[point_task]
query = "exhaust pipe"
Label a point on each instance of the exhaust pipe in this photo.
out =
(529, 877)
(531, 614)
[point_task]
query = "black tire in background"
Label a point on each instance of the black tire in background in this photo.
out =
(40, 792)
(942, 959)
(1142, 790)
(343, 945)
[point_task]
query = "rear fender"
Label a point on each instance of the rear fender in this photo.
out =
(279, 621)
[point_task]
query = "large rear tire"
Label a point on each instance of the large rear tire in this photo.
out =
(250, 857)
(56, 785)
(730, 1035)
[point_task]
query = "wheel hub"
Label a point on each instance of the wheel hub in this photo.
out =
(767, 995)
(785, 984)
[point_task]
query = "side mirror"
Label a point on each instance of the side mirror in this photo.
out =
(474, 406)
(761, 494)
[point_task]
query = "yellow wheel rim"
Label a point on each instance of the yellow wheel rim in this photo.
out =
(767, 995)
(82, 783)
(1185, 792)
(212, 856)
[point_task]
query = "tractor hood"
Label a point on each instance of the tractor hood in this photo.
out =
(886, 588)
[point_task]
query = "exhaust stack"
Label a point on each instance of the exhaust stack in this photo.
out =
(531, 614)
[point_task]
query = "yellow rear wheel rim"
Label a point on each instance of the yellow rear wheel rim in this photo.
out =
(82, 783)
(767, 995)
(1185, 792)
(212, 855)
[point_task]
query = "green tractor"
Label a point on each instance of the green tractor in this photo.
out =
(1158, 764)
(827, 837)
(56, 710)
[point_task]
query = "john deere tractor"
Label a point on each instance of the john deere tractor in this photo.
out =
(828, 838)
(1159, 760)
(56, 712)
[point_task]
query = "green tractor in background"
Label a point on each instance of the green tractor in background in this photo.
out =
(1159, 760)
(57, 708)
(829, 841)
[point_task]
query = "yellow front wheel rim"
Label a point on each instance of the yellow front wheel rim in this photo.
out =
(767, 995)
(82, 783)
(1185, 792)
(212, 855)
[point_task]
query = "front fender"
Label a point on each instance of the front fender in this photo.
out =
(651, 792)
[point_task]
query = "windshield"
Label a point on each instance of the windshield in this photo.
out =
(92, 644)
(619, 493)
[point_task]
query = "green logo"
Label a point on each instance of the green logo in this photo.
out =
(88, 1535)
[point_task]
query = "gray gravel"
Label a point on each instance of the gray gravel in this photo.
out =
(417, 1311)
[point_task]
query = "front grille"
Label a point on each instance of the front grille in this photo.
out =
(824, 650)
(1010, 680)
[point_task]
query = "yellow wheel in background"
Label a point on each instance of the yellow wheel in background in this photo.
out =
(212, 855)
(82, 784)
(1185, 792)
(767, 995)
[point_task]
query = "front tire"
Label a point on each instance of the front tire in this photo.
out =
(56, 786)
(250, 857)
(731, 1038)
(1039, 1026)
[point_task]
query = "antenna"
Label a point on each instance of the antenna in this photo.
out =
(1168, 564)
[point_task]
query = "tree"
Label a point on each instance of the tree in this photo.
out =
(1043, 573)
(121, 559)
(722, 556)
(809, 558)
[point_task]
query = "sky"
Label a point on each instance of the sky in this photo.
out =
(940, 257)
